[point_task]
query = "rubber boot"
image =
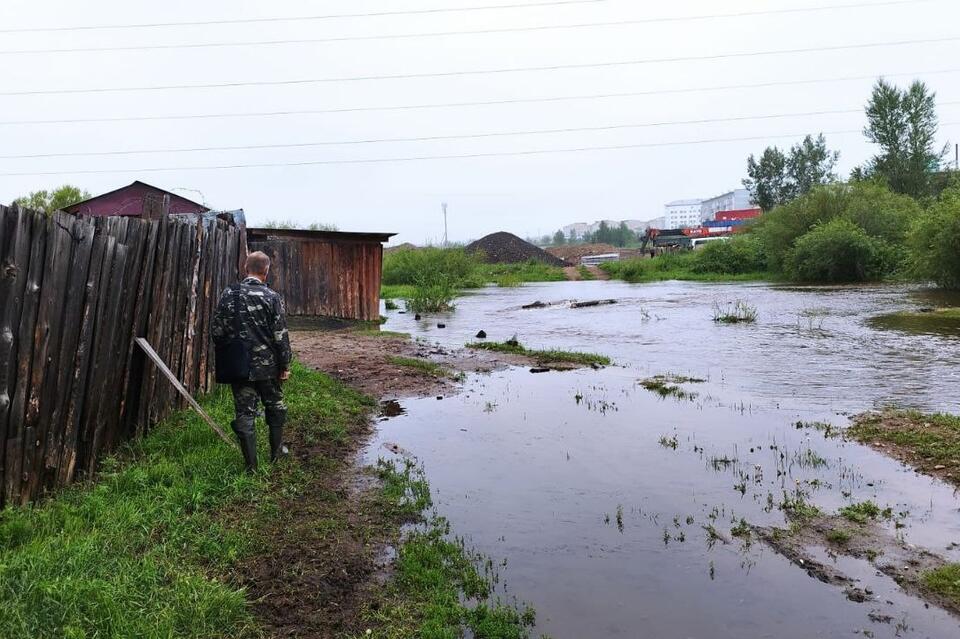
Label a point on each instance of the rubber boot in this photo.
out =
(275, 421)
(247, 437)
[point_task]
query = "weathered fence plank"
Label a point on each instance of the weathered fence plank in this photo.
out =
(75, 293)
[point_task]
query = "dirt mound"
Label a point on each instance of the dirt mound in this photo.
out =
(507, 248)
(574, 252)
(406, 246)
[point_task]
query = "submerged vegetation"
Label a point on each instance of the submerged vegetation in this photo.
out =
(512, 347)
(669, 385)
(737, 313)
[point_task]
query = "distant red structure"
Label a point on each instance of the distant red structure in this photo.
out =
(137, 200)
(740, 214)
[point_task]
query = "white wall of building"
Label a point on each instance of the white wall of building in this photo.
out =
(682, 214)
(732, 201)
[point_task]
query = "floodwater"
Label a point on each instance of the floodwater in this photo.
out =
(594, 493)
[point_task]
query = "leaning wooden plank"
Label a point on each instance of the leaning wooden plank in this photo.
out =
(152, 354)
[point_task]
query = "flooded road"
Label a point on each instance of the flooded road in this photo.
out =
(612, 507)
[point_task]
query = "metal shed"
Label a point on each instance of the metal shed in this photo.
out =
(324, 273)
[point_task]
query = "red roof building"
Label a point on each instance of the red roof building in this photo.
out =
(138, 200)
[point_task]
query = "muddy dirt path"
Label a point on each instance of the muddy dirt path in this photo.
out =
(573, 273)
(378, 365)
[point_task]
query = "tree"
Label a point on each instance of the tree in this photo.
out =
(50, 201)
(777, 177)
(934, 241)
(903, 123)
(559, 239)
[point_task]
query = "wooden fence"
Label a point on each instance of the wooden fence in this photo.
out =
(74, 293)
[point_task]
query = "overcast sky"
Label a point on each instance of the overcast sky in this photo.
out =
(526, 194)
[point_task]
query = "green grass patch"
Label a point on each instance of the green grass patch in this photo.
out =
(141, 552)
(543, 356)
(945, 582)
(669, 385)
(423, 366)
(439, 588)
(373, 332)
(865, 511)
(926, 441)
(585, 273)
(839, 536)
(737, 313)
(682, 265)
(397, 291)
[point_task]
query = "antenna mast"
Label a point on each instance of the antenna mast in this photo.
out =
(443, 205)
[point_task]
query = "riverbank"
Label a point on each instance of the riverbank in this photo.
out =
(929, 443)
(173, 539)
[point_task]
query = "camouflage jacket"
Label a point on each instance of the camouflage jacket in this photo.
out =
(263, 325)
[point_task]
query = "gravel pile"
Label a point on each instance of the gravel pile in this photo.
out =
(507, 248)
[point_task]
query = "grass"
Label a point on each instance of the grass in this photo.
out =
(390, 305)
(737, 313)
(143, 552)
(543, 356)
(423, 366)
(865, 511)
(439, 587)
(397, 291)
(674, 266)
(430, 278)
(944, 581)
(153, 548)
(668, 385)
(798, 509)
(375, 332)
(585, 273)
(929, 442)
(839, 536)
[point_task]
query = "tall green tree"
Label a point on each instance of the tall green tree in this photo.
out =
(559, 239)
(903, 123)
(50, 201)
(778, 177)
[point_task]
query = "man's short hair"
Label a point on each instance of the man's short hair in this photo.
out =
(258, 262)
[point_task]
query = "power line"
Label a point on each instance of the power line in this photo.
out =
(436, 138)
(446, 74)
(447, 105)
(434, 34)
(421, 158)
(336, 16)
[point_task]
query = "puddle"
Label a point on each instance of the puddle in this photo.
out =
(617, 512)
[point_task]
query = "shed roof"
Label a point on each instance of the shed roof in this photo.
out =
(255, 234)
(114, 203)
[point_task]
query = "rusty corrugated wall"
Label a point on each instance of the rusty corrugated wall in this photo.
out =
(324, 274)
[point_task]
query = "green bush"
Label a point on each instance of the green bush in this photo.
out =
(934, 241)
(429, 266)
(877, 211)
(741, 254)
(837, 251)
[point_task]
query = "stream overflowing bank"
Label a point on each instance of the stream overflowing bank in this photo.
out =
(611, 506)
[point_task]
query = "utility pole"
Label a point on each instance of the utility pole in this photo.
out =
(443, 205)
(956, 156)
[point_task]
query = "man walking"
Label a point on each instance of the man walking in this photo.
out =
(250, 326)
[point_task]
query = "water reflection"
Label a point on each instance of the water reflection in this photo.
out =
(617, 507)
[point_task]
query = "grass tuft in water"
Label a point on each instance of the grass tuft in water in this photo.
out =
(865, 511)
(422, 366)
(512, 347)
(737, 313)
